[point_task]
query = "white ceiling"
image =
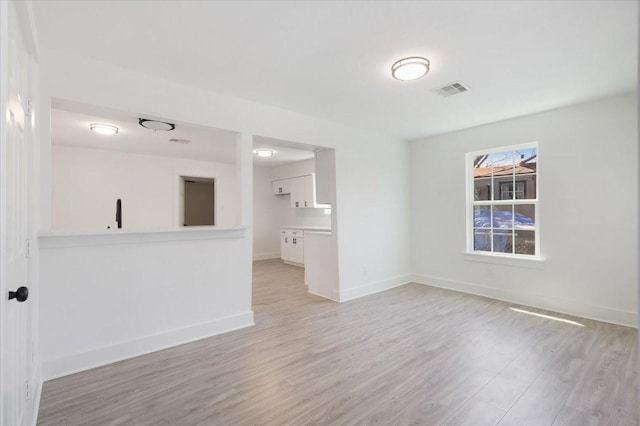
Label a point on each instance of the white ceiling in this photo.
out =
(285, 152)
(332, 59)
(70, 127)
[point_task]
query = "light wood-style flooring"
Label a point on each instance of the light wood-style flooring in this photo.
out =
(414, 355)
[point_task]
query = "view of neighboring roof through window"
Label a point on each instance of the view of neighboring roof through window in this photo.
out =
(502, 203)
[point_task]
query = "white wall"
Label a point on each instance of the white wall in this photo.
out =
(267, 216)
(297, 168)
(372, 184)
(372, 177)
(300, 217)
(86, 183)
(588, 208)
(114, 296)
(371, 230)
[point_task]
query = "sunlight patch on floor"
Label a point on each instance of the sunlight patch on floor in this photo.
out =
(522, 311)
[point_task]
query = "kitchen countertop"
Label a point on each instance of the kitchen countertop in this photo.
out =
(308, 228)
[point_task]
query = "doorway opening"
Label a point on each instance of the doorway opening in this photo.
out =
(294, 220)
(199, 201)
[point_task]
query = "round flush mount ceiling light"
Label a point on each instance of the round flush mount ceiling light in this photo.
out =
(156, 125)
(410, 68)
(264, 152)
(103, 129)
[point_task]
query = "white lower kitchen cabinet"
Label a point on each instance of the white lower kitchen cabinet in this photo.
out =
(296, 253)
(292, 246)
(292, 242)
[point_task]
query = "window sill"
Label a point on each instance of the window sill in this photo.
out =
(520, 262)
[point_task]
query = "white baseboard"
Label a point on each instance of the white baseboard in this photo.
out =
(74, 363)
(598, 313)
(266, 256)
(371, 288)
(323, 296)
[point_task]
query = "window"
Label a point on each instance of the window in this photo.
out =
(502, 201)
(506, 190)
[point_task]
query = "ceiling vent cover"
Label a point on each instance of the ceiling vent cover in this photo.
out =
(452, 89)
(182, 141)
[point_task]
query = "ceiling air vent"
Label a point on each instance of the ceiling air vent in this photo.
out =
(182, 141)
(452, 89)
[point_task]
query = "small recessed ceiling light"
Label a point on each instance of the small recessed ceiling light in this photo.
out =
(103, 129)
(264, 152)
(410, 68)
(156, 125)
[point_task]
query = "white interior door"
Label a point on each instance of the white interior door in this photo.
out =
(15, 173)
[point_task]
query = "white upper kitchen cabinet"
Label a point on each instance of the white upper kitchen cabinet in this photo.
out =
(309, 185)
(297, 192)
(302, 190)
(281, 186)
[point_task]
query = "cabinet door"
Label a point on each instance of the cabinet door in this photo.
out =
(297, 192)
(309, 191)
(284, 247)
(280, 187)
(297, 249)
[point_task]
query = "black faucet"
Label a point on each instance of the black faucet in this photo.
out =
(119, 212)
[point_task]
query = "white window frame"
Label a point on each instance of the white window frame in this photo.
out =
(471, 203)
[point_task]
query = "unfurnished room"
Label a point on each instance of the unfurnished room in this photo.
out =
(319, 212)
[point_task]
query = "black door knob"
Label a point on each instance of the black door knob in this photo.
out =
(21, 294)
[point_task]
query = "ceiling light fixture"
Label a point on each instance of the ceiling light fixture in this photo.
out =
(410, 68)
(103, 129)
(156, 125)
(264, 152)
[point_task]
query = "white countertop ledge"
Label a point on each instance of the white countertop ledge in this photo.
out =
(308, 228)
(321, 233)
(61, 239)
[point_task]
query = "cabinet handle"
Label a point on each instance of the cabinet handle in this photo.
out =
(294, 241)
(286, 240)
(279, 189)
(305, 204)
(297, 204)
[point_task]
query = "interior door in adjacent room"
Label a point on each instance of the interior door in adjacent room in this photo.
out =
(16, 154)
